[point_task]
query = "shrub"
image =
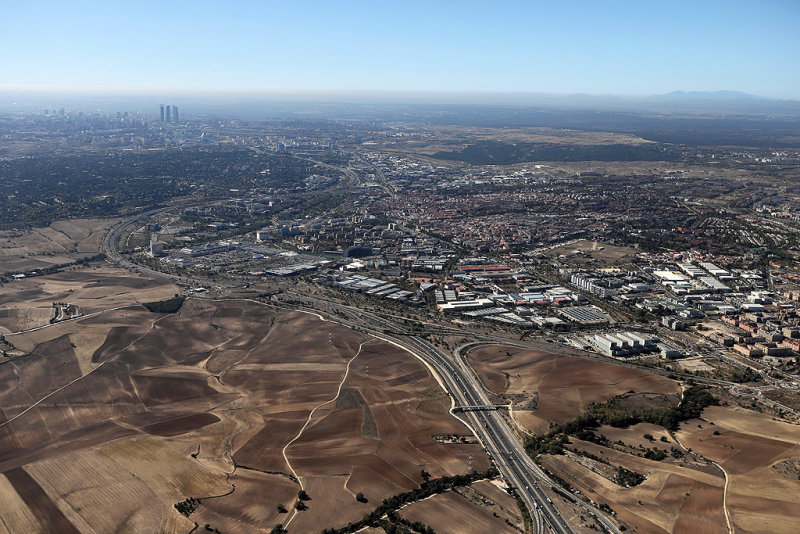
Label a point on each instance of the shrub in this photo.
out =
(165, 306)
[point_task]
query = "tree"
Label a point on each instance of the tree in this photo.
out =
(303, 496)
(360, 497)
(300, 505)
(282, 509)
(425, 475)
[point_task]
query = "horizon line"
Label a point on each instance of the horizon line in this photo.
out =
(416, 93)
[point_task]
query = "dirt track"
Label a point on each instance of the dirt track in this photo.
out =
(169, 403)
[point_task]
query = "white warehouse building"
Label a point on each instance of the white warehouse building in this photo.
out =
(623, 344)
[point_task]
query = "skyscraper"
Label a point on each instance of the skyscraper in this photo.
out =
(162, 112)
(175, 112)
(168, 112)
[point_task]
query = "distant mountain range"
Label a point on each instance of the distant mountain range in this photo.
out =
(720, 102)
(715, 95)
(675, 102)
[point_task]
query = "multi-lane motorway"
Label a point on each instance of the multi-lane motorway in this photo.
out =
(110, 241)
(488, 425)
(506, 450)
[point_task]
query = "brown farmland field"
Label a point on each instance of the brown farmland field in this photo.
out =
(64, 241)
(28, 303)
(758, 456)
(557, 385)
(671, 498)
(478, 508)
(110, 420)
(453, 513)
(751, 447)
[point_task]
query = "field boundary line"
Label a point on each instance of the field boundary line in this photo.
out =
(308, 420)
(26, 410)
(88, 315)
(731, 529)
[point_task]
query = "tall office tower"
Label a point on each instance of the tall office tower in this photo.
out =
(168, 113)
(175, 112)
(162, 112)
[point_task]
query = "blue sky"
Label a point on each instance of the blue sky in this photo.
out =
(598, 47)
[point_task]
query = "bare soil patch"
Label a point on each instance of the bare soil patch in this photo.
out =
(603, 253)
(749, 446)
(48, 514)
(253, 505)
(28, 303)
(455, 512)
(562, 385)
(662, 503)
(61, 242)
(759, 457)
(785, 397)
(160, 408)
(181, 425)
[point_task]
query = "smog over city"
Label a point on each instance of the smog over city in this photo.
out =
(394, 268)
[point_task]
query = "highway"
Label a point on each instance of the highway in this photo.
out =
(489, 426)
(110, 241)
(502, 445)
(505, 449)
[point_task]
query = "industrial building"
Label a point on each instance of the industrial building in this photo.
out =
(722, 274)
(713, 284)
(589, 284)
(461, 305)
(624, 344)
(585, 315)
(692, 270)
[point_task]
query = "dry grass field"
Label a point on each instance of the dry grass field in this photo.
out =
(480, 507)
(732, 459)
(741, 460)
(754, 450)
(111, 420)
(550, 387)
(464, 511)
(673, 498)
(447, 134)
(63, 241)
(603, 253)
(28, 303)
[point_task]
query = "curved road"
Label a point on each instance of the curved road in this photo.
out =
(500, 442)
(489, 426)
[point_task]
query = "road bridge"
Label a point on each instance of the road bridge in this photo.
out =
(477, 408)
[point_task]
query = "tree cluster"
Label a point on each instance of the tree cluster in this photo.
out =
(165, 306)
(426, 489)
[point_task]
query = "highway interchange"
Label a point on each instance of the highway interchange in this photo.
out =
(488, 425)
(504, 447)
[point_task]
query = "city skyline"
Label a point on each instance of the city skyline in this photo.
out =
(621, 48)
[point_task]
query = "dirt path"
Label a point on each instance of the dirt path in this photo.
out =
(731, 530)
(35, 404)
(76, 318)
(308, 420)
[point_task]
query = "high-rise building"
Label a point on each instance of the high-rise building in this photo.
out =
(168, 113)
(175, 112)
(162, 112)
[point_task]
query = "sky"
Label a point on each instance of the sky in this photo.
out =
(294, 46)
